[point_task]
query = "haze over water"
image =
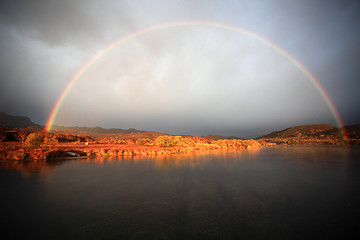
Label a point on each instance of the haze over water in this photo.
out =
(287, 192)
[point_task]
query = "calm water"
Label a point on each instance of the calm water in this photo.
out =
(273, 193)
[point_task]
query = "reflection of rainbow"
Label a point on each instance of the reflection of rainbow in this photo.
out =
(77, 76)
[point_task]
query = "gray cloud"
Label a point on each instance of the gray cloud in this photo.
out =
(190, 79)
(79, 23)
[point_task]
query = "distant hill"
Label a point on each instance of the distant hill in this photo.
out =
(324, 133)
(95, 130)
(217, 137)
(98, 132)
(9, 121)
(314, 130)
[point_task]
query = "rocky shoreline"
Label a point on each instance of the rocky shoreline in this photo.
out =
(34, 143)
(17, 151)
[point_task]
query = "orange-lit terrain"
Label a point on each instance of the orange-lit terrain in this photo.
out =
(21, 144)
(22, 139)
(34, 143)
(313, 134)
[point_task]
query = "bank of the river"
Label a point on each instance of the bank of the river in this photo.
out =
(19, 151)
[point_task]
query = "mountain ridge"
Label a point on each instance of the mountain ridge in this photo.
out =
(10, 121)
(301, 131)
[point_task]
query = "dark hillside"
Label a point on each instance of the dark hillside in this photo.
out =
(9, 121)
(315, 130)
(99, 132)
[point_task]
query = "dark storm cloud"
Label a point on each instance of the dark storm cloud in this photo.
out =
(64, 22)
(44, 43)
(48, 20)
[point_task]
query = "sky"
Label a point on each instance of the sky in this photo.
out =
(193, 79)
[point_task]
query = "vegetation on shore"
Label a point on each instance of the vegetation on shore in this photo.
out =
(313, 135)
(22, 139)
(40, 145)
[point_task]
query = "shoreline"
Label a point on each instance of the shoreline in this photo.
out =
(18, 151)
(109, 150)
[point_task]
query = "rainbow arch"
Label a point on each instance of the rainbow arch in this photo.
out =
(77, 76)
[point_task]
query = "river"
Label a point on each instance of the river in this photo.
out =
(278, 192)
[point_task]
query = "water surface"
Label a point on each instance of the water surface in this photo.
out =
(293, 192)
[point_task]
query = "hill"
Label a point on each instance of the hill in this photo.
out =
(12, 128)
(94, 130)
(9, 121)
(302, 131)
(99, 132)
(218, 137)
(306, 134)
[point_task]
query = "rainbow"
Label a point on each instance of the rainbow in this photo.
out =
(130, 36)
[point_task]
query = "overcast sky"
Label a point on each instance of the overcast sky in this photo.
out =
(188, 79)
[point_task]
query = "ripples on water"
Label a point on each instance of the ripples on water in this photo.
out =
(292, 192)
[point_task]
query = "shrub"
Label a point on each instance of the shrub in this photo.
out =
(129, 141)
(168, 141)
(34, 140)
(143, 141)
(22, 134)
(49, 142)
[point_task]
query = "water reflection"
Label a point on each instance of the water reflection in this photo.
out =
(201, 159)
(31, 167)
(322, 155)
(196, 159)
(272, 193)
(308, 155)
